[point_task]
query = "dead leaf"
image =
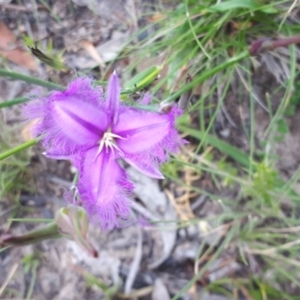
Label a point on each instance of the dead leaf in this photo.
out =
(111, 49)
(91, 50)
(156, 17)
(156, 202)
(27, 130)
(160, 291)
(241, 25)
(11, 51)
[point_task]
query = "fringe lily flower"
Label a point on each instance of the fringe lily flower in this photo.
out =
(95, 131)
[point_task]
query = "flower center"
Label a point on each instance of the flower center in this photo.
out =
(108, 141)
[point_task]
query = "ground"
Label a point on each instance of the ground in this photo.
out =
(154, 262)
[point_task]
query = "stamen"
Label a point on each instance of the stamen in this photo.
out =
(108, 140)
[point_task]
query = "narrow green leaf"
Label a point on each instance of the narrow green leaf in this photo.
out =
(209, 73)
(222, 146)
(13, 102)
(238, 4)
(32, 80)
(30, 220)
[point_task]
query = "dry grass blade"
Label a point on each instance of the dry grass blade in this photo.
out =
(246, 293)
(248, 88)
(224, 229)
(282, 230)
(137, 293)
(182, 203)
(274, 250)
(8, 278)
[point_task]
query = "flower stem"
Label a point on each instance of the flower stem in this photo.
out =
(17, 149)
(266, 44)
(33, 80)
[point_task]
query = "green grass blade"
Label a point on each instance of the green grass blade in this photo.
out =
(17, 149)
(32, 80)
(222, 146)
(13, 102)
(208, 73)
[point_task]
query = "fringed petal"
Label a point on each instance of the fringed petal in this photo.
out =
(147, 138)
(69, 121)
(104, 188)
(141, 130)
(149, 168)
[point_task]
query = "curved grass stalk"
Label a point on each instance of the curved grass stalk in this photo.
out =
(17, 149)
(14, 102)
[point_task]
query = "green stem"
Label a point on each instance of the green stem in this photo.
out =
(33, 80)
(17, 149)
(33, 278)
(13, 102)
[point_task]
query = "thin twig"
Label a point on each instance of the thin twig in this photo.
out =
(281, 230)
(223, 107)
(274, 250)
(135, 263)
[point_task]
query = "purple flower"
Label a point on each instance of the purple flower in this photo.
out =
(94, 131)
